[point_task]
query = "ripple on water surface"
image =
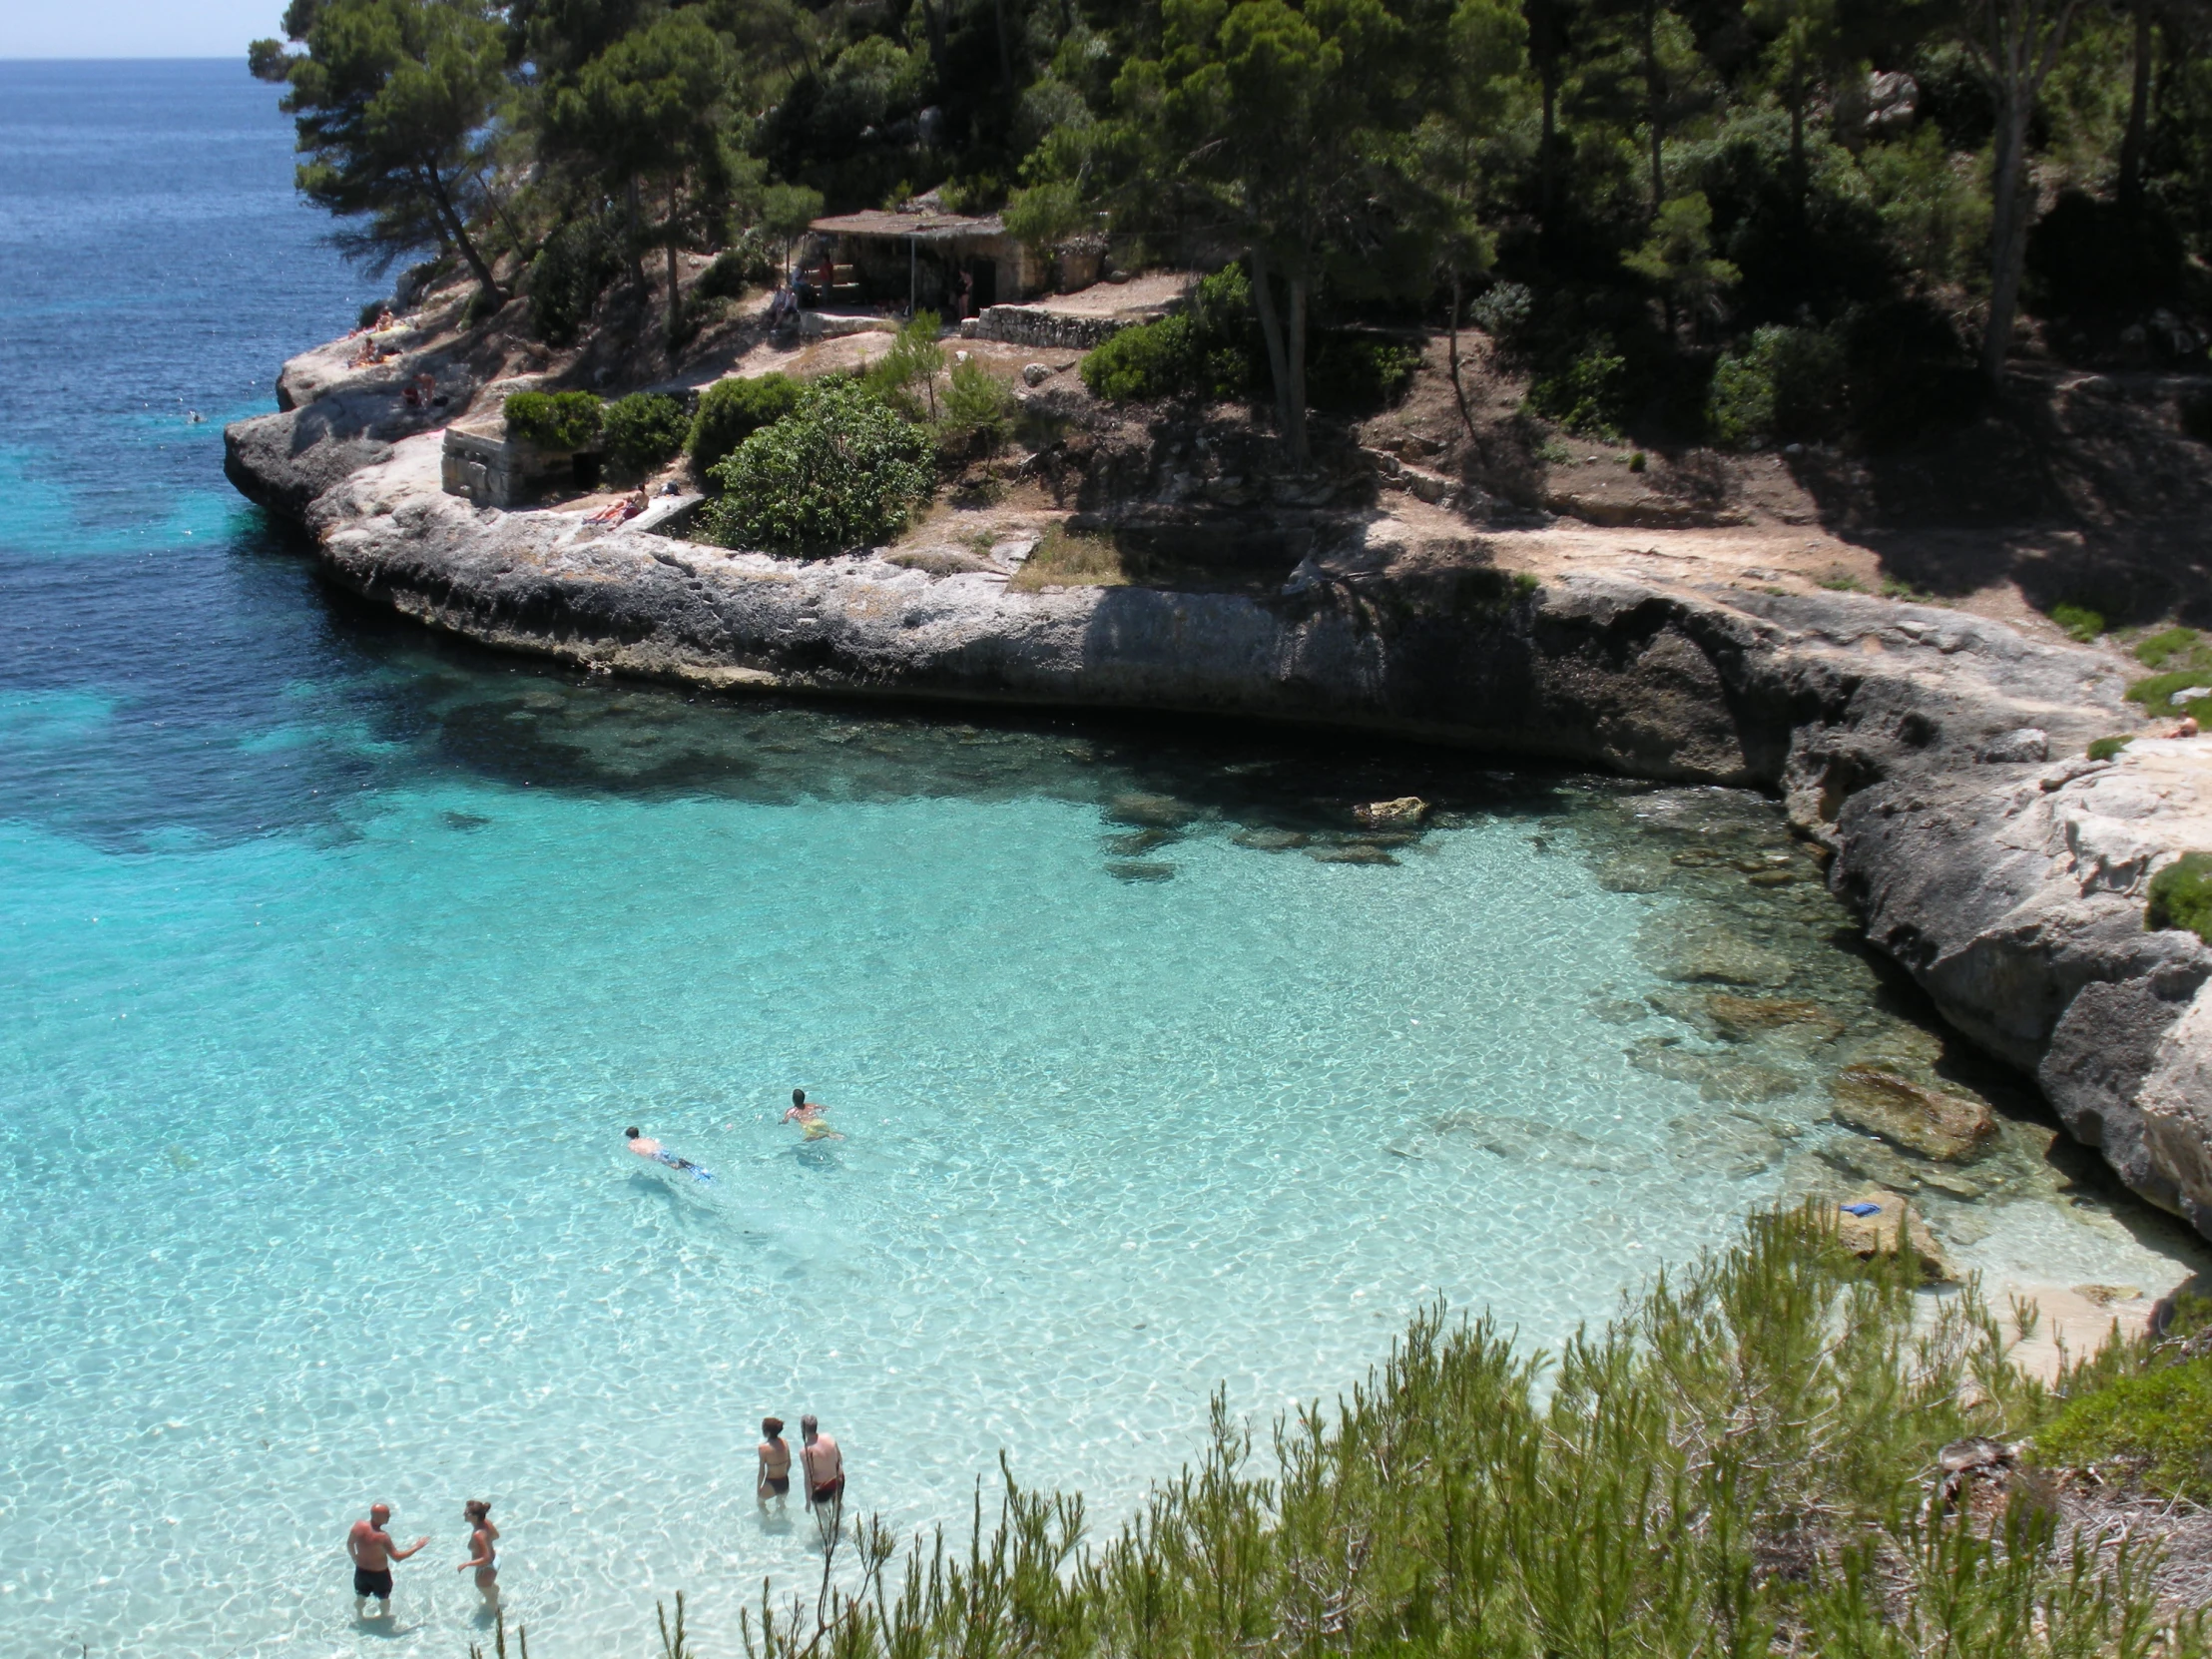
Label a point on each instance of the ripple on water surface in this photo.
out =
(318, 1192)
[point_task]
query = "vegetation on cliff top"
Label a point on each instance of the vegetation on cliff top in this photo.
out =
(1769, 219)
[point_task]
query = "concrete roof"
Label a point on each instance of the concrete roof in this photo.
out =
(936, 226)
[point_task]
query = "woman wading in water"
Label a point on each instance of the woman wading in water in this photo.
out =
(483, 1555)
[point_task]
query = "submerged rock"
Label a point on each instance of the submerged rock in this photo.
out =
(1354, 854)
(1527, 1139)
(1931, 1122)
(1738, 1144)
(1150, 811)
(1741, 1018)
(1271, 840)
(1873, 1159)
(1137, 842)
(1719, 1077)
(1633, 874)
(1895, 1226)
(1711, 956)
(1131, 870)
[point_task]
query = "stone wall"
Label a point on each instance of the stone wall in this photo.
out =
(1046, 331)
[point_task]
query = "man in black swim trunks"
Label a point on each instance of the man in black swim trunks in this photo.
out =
(373, 1552)
(824, 1466)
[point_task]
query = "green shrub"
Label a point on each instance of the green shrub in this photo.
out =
(555, 421)
(749, 262)
(2079, 621)
(2160, 1420)
(1780, 384)
(978, 411)
(905, 376)
(2157, 693)
(2161, 648)
(1205, 351)
(571, 271)
(1910, 373)
(1351, 374)
(2181, 897)
(645, 429)
(730, 412)
(2106, 749)
(842, 470)
(1587, 392)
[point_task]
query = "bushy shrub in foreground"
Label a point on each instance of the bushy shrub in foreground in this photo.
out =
(730, 412)
(1782, 384)
(1205, 351)
(839, 471)
(1740, 1465)
(645, 429)
(556, 419)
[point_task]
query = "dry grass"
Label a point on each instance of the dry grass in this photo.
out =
(1072, 559)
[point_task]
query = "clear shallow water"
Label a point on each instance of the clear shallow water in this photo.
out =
(338, 957)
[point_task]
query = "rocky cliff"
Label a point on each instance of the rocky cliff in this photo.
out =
(1936, 754)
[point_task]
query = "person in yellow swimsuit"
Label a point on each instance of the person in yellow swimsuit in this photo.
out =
(808, 1115)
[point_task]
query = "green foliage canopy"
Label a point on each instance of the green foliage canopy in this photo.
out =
(839, 471)
(395, 101)
(732, 410)
(556, 419)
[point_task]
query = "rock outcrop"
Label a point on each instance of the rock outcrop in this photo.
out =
(1917, 744)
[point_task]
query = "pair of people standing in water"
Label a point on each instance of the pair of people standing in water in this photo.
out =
(372, 1553)
(820, 1460)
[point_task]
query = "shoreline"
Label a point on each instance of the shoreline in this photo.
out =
(1937, 756)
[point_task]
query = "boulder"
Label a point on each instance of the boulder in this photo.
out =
(1893, 1224)
(1407, 810)
(1721, 1078)
(1930, 1122)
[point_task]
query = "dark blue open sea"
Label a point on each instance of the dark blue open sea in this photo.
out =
(335, 959)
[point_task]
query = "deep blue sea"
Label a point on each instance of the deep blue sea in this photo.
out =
(336, 957)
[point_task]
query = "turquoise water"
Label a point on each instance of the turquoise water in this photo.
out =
(337, 958)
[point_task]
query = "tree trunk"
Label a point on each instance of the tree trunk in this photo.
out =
(1005, 54)
(1458, 390)
(2138, 112)
(1655, 104)
(933, 17)
(1547, 162)
(2008, 232)
(675, 282)
(1300, 453)
(442, 206)
(1271, 330)
(633, 214)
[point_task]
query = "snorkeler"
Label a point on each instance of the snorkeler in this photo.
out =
(808, 1115)
(646, 1146)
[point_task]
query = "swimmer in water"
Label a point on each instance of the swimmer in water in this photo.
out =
(646, 1146)
(808, 1115)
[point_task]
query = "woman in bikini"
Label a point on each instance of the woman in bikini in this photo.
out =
(775, 1463)
(483, 1555)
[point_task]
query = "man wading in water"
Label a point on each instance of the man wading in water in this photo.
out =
(824, 1466)
(373, 1552)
